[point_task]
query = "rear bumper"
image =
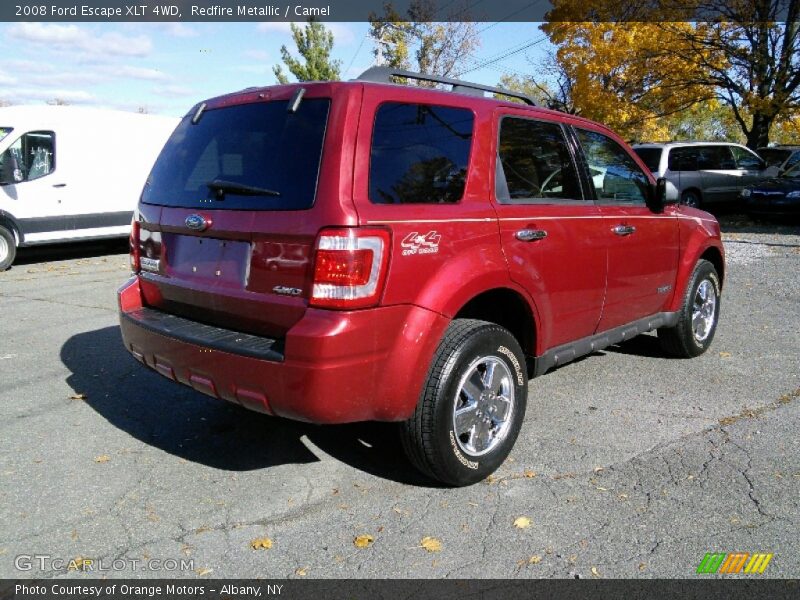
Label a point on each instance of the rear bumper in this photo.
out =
(332, 367)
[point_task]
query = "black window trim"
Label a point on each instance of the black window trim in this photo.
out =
(470, 155)
(571, 148)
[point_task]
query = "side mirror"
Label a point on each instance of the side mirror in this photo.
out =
(658, 196)
(10, 173)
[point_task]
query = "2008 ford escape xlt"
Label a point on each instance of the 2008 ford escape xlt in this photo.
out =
(337, 252)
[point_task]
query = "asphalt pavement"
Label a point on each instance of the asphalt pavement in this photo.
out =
(629, 464)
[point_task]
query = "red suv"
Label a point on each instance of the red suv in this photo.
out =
(336, 252)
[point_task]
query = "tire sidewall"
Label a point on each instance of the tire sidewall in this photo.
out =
(6, 262)
(461, 468)
(705, 272)
(690, 194)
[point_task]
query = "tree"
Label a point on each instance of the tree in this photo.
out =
(442, 47)
(555, 93)
(314, 44)
(631, 68)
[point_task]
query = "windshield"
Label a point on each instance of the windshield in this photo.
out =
(793, 172)
(774, 156)
(650, 156)
(4, 131)
(246, 157)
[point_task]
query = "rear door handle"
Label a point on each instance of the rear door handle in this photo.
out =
(623, 229)
(59, 185)
(530, 235)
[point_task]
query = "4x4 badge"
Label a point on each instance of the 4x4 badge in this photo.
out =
(414, 243)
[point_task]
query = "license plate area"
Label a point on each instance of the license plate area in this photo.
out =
(219, 262)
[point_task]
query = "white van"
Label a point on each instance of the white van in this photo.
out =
(70, 173)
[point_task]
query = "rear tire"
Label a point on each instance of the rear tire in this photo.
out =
(691, 198)
(698, 316)
(8, 248)
(472, 405)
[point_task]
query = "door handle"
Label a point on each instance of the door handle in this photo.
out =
(59, 185)
(623, 229)
(530, 235)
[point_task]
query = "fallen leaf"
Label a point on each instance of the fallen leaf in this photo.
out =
(74, 535)
(595, 572)
(103, 458)
(642, 566)
(363, 541)
(535, 559)
(598, 469)
(522, 522)
(203, 571)
(431, 544)
(78, 397)
(601, 488)
(724, 354)
(301, 572)
(530, 474)
(261, 544)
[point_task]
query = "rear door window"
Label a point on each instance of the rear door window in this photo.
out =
(248, 157)
(419, 154)
(534, 163)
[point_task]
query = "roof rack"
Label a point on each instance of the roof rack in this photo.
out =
(385, 74)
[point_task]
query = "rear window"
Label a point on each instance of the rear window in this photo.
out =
(247, 157)
(419, 154)
(651, 157)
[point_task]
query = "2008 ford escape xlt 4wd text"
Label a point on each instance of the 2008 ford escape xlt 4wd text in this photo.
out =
(349, 251)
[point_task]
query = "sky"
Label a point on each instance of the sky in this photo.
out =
(168, 67)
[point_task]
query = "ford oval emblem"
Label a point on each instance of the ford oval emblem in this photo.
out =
(196, 222)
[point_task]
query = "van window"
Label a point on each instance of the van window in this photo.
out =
(651, 157)
(534, 163)
(746, 159)
(246, 157)
(715, 158)
(683, 159)
(33, 156)
(4, 131)
(419, 154)
(616, 176)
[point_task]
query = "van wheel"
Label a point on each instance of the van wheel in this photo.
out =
(472, 406)
(691, 198)
(8, 248)
(697, 321)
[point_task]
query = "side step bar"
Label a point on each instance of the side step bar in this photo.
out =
(565, 353)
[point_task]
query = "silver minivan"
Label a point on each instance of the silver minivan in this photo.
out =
(703, 173)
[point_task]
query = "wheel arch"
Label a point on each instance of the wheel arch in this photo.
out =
(10, 223)
(506, 307)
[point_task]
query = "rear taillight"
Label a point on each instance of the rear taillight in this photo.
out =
(134, 245)
(349, 268)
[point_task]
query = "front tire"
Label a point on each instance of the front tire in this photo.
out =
(8, 248)
(472, 405)
(691, 198)
(698, 316)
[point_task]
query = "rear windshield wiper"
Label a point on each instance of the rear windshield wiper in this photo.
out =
(222, 187)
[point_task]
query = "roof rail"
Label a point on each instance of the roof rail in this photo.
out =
(385, 74)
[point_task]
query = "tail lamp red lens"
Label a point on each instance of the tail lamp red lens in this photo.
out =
(350, 267)
(134, 246)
